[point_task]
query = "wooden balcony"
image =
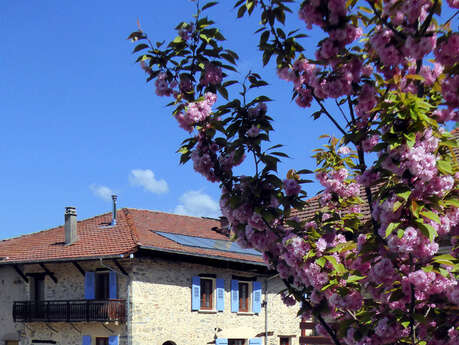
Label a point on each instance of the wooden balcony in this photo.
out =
(70, 311)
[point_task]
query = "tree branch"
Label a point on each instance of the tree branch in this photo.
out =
(329, 115)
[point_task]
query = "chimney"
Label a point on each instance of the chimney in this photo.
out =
(114, 198)
(70, 225)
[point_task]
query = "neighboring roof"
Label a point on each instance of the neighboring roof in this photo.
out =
(134, 230)
(313, 205)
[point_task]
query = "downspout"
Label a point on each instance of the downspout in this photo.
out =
(266, 306)
(266, 311)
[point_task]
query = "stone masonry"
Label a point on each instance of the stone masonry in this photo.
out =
(158, 295)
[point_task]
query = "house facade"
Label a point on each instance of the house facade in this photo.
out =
(139, 277)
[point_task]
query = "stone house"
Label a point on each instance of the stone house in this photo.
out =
(139, 277)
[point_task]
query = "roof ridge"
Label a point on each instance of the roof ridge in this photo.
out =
(131, 225)
(50, 229)
(172, 214)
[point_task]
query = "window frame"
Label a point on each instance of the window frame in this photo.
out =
(237, 341)
(289, 340)
(104, 339)
(248, 297)
(106, 288)
(212, 294)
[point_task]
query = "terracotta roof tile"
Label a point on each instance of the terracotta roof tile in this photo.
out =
(312, 205)
(134, 229)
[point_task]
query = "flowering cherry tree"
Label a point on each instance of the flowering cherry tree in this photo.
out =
(384, 276)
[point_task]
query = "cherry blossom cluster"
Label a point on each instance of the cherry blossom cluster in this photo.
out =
(196, 112)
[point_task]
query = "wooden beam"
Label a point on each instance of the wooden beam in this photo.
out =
(18, 271)
(48, 272)
(82, 271)
(120, 267)
(316, 340)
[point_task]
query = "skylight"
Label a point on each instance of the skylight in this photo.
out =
(207, 243)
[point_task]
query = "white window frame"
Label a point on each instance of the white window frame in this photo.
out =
(249, 297)
(214, 296)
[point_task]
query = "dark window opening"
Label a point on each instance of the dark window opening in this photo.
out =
(101, 341)
(102, 286)
(236, 342)
(207, 294)
(38, 288)
(243, 297)
(169, 343)
(284, 341)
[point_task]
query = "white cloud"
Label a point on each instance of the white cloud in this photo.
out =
(146, 179)
(198, 204)
(102, 192)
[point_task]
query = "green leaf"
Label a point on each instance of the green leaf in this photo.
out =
(354, 278)
(391, 227)
(452, 202)
(431, 216)
(321, 261)
(338, 267)
(140, 47)
(209, 4)
(404, 195)
(396, 206)
(177, 40)
(241, 11)
(445, 167)
(427, 230)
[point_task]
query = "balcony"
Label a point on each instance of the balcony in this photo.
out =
(70, 311)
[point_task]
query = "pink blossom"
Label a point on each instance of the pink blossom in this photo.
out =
(291, 187)
(344, 150)
(447, 51)
(212, 75)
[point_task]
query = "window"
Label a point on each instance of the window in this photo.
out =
(207, 293)
(245, 296)
(244, 292)
(37, 291)
(102, 286)
(284, 341)
(101, 341)
(236, 342)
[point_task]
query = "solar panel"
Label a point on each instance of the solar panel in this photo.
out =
(207, 243)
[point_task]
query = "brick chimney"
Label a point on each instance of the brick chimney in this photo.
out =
(70, 225)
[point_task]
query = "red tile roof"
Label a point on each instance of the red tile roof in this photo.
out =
(313, 204)
(132, 232)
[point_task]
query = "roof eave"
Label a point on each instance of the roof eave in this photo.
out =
(83, 258)
(207, 256)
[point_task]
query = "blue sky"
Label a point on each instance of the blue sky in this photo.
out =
(79, 122)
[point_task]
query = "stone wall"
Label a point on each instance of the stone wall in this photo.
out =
(161, 307)
(12, 288)
(70, 286)
(158, 295)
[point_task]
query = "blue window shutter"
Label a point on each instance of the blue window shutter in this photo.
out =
(86, 340)
(234, 296)
(89, 285)
(256, 297)
(112, 285)
(113, 340)
(220, 294)
(255, 341)
(196, 293)
(221, 341)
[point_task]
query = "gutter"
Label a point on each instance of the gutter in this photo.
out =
(84, 258)
(214, 257)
